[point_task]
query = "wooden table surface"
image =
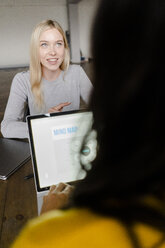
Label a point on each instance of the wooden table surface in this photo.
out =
(17, 204)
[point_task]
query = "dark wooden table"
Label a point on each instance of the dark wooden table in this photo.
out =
(17, 204)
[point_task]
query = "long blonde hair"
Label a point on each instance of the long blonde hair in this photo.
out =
(35, 65)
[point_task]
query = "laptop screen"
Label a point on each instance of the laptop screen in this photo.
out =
(55, 141)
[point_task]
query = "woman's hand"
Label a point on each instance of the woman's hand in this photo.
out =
(57, 198)
(59, 107)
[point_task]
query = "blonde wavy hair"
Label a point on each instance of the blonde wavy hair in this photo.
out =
(35, 65)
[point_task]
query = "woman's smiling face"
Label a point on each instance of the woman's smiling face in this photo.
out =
(51, 50)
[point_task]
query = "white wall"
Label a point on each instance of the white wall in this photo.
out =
(87, 9)
(18, 18)
(74, 33)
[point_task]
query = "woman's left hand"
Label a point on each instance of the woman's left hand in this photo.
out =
(59, 107)
(57, 198)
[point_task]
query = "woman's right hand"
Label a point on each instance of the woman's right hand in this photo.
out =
(59, 107)
(57, 198)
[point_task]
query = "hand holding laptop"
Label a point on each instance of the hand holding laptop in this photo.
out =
(57, 198)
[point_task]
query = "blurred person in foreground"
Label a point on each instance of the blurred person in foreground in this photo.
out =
(121, 202)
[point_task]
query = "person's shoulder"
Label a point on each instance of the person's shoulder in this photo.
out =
(74, 68)
(21, 79)
(62, 219)
(22, 75)
(80, 216)
(73, 228)
(78, 228)
(74, 71)
(87, 224)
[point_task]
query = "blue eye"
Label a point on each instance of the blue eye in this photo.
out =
(58, 44)
(44, 44)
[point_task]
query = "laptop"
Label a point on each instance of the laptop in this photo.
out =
(55, 141)
(13, 154)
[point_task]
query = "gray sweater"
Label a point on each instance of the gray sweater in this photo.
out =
(68, 87)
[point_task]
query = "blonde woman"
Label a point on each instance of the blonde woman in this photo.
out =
(51, 84)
